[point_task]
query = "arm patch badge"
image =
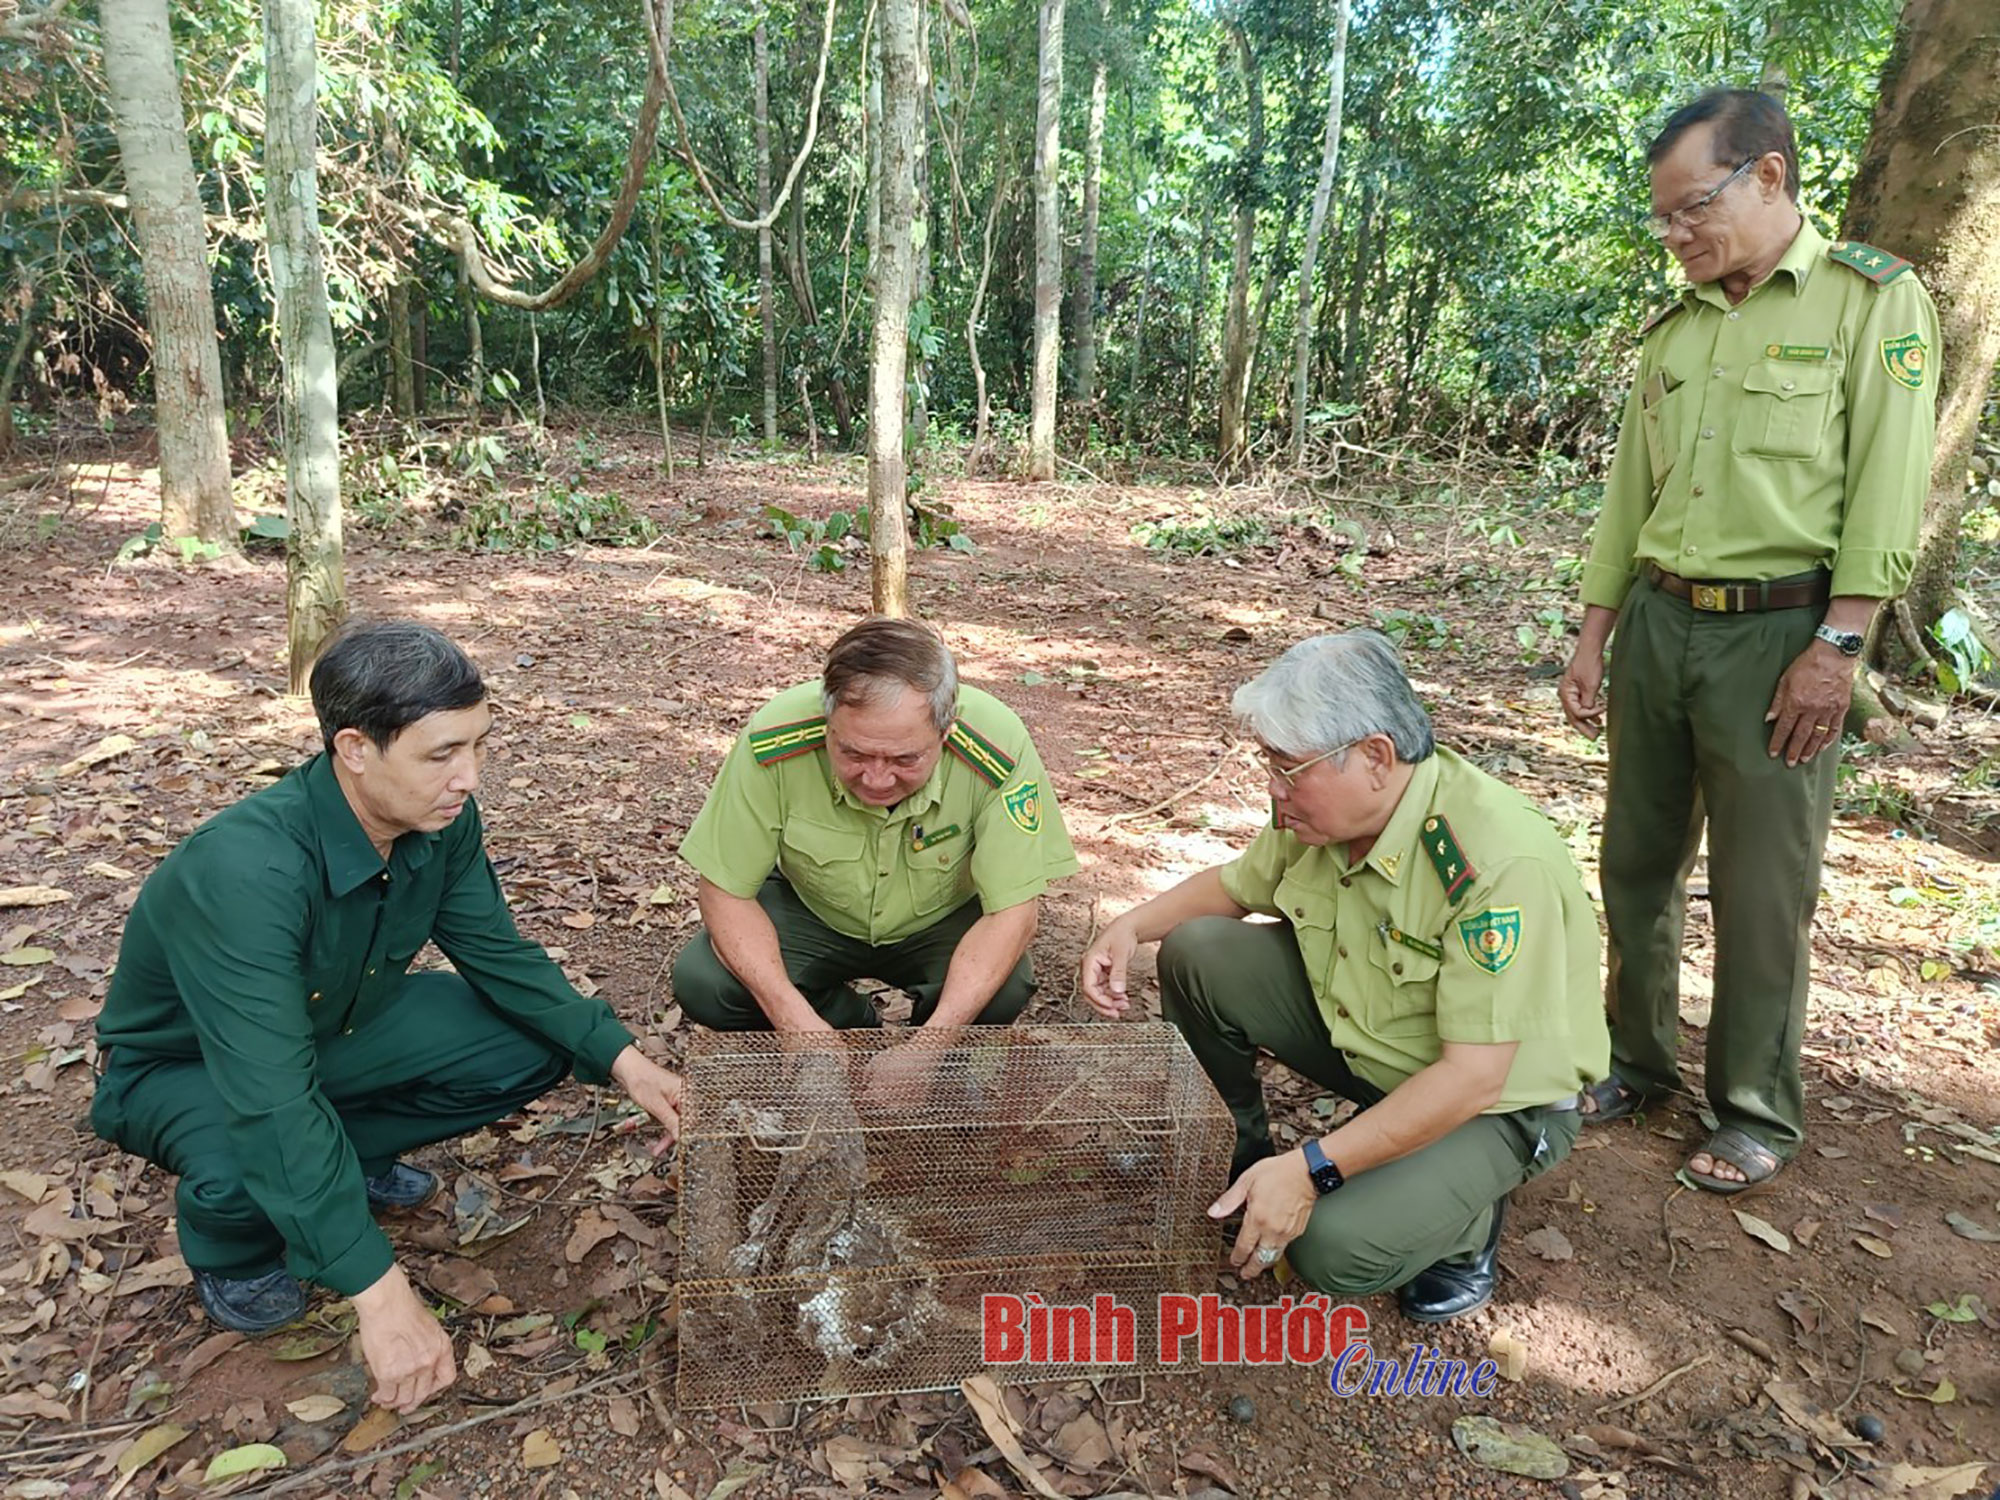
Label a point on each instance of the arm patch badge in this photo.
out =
(1905, 359)
(1024, 806)
(1492, 938)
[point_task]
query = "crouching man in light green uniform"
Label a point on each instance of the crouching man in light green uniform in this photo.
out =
(881, 822)
(1434, 960)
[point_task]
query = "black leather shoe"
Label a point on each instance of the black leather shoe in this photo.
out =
(1451, 1289)
(252, 1304)
(402, 1186)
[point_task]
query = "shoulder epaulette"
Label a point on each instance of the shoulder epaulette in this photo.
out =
(1879, 266)
(783, 741)
(987, 759)
(1660, 317)
(1454, 870)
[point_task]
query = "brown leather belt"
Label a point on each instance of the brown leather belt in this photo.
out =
(1727, 597)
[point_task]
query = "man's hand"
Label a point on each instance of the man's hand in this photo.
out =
(1103, 973)
(1277, 1198)
(654, 1089)
(408, 1353)
(1811, 703)
(899, 1079)
(1581, 691)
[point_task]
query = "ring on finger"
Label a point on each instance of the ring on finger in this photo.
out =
(1267, 1255)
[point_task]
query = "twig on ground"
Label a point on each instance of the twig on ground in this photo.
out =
(1186, 791)
(540, 1399)
(1656, 1387)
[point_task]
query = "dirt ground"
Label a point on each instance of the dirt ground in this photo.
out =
(1674, 1347)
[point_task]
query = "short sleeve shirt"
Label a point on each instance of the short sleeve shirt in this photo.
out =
(1789, 432)
(1466, 922)
(985, 824)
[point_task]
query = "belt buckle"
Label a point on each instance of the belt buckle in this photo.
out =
(1712, 597)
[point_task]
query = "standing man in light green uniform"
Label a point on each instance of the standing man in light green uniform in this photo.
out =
(1764, 501)
(881, 822)
(1434, 960)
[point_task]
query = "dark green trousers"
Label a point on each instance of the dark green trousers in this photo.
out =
(439, 1064)
(1689, 746)
(1234, 987)
(821, 961)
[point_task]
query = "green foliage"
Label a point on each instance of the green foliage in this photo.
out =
(827, 545)
(1544, 636)
(1202, 533)
(1966, 658)
(554, 518)
(1410, 631)
(153, 539)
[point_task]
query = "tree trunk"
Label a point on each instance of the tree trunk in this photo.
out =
(1093, 175)
(920, 276)
(1203, 264)
(475, 345)
(888, 479)
(1329, 160)
(1929, 189)
(1353, 363)
(195, 499)
(402, 378)
(420, 349)
(24, 334)
(982, 406)
(315, 588)
(766, 304)
(1127, 427)
(660, 357)
(1229, 435)
(1048, 247)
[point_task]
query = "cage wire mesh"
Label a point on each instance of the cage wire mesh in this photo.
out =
(847, 1201)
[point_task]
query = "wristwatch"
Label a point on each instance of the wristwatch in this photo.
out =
(1846, 642)
(1325, 1175)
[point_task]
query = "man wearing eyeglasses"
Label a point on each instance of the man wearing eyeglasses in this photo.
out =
(881, 822)
(1764, 500)
(1434, 960)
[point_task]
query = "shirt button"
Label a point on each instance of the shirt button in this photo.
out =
(1708, 432)
(1718, 372)
(1733, 316)
(1298, 911)
(1347, 880)
(371, 973)
(1693, 550)
(347, 1031)
(1790, 385)
(1695, 491)
(1341, 1011)
(1342, 950)
(1396, 968)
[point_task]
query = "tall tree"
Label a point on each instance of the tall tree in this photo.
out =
(1929, 189)
(1048, 246)
(1093, 179)
(1231, 438)
(1329, 161)
(766, 307)
(888, 470)
(315, 581)
(145, 92)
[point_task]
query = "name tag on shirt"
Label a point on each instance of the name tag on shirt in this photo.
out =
(920, 840)
(1814, 352)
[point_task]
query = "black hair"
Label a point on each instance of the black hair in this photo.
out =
(1747, 124)
(381, 676)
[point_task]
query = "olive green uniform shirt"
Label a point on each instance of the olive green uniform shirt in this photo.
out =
(275, 926)
(1466, 923)
(1789, 432)
(985, 823)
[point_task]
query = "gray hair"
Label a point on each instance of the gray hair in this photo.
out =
(877, 659)
(1332, 690)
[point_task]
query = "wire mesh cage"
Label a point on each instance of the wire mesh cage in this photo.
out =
(850, 1202)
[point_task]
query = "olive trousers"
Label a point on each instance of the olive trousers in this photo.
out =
(1688, 747)
(821, 961)
(1233, 987)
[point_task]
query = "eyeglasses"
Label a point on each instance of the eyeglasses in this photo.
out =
(1290, 774)
(1659, 226)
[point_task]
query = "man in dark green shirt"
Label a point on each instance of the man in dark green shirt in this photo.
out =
(264, 1042)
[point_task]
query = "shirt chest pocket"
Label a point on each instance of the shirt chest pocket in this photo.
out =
(941, 876)
(1404, 981)
(1786, 409)
(824, 864)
